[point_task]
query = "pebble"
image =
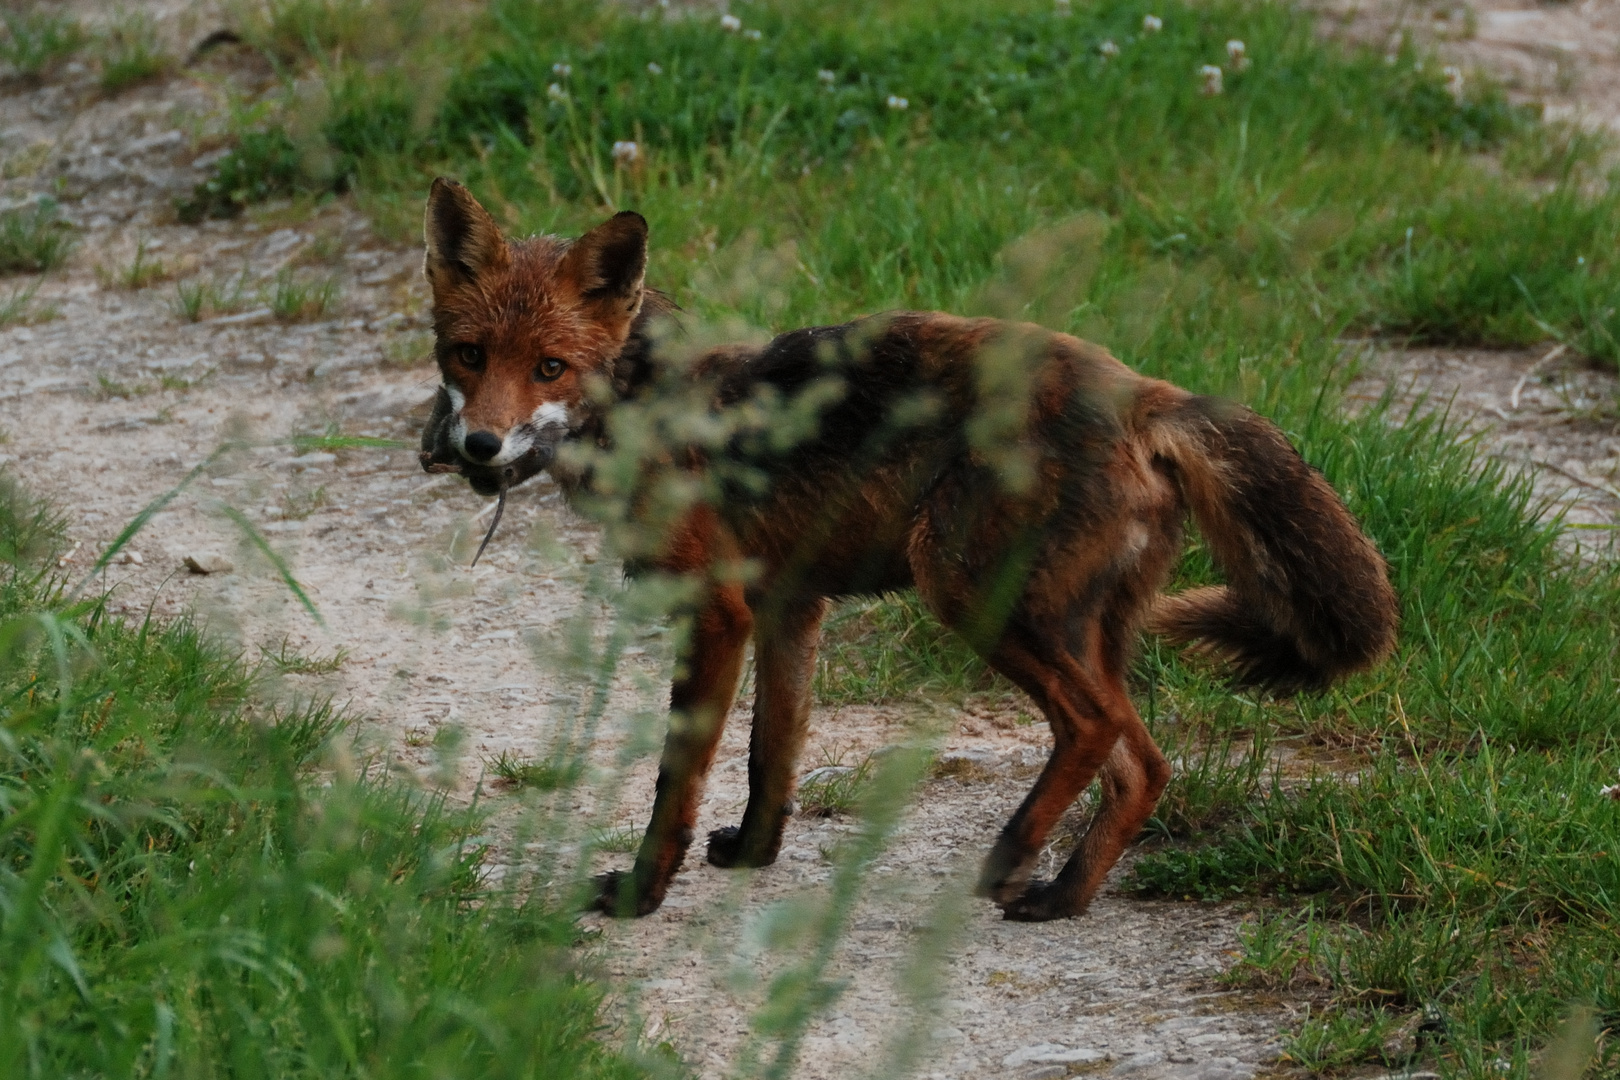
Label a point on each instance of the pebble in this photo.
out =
(207, 562)
(1052, 1054)
(1144, 1059)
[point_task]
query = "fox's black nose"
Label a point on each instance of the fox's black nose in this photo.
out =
(482, 445)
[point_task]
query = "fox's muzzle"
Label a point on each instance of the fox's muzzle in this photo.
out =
(439, 453)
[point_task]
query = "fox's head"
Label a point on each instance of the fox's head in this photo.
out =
(525, 331)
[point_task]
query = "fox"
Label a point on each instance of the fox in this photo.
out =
(1039, 516)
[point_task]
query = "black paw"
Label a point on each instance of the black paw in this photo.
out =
(1039, 902)
(726, 849)
(723, 845)
(618, 895)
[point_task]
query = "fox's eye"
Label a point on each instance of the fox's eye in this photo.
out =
(470, 357)
(549, 369)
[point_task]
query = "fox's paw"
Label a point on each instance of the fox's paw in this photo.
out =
(1039, 902)
(617, 895)
(726, 850)
(1002, 880)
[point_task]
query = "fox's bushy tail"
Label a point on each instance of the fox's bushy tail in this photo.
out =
(1308, 598)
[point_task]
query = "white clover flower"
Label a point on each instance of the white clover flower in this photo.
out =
(556, 93)
(1391, 59)
(827, 76)
(1108, 49)
(1611, 792)
(653, 68)
(561, 70)
(1238, 54)
(753, 35)
(626, 152)
(1061, 8)
(1152, 24)
(898, 104)
(1212, 79)
(1454, 81)
(731, 23)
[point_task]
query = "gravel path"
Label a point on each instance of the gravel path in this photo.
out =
(110, 403)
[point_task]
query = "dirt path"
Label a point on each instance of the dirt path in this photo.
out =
(113, 401)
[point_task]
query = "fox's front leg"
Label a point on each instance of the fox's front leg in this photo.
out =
(705, 684)
(784, 665)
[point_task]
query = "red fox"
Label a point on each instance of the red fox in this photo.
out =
(1038, 516)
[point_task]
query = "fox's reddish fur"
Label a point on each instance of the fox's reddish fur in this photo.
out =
(1046, 548)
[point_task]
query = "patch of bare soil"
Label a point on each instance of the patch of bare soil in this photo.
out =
(1539, 411)
(1563, 54)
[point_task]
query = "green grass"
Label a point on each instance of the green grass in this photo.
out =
(516, 771)
(33, 239)
(1457, 859)
(130, 53)
(142, 270)
(295, 297)
(194, 881)
(37, 40)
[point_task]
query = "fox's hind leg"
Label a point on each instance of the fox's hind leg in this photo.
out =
(1084, 732)
(1132, 779)
(699, 702)
(784, 664)
(1135, 772)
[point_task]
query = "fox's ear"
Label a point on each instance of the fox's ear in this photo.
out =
(608, 262)
(463, 241)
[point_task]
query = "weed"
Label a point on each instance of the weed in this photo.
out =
(141, 271)
(521, 772)
(198, 298)
(326, 247)
(108, 387)
(130, 53)
(191, 299)
(623, 841)
(168, 380)
(408, 350)
(262, 165)
(298, 505)
(36, 40)
(33, 238)
(293, 30)
(833, 788)
(18, 307)
(1341, 1038)
(295, 298)
(332, 440)
(287, 660)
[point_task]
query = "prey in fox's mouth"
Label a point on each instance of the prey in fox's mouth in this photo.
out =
(490, 462)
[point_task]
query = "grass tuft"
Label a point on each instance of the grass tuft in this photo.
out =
(294, 298)
(36, 40)
(33, 239)
(516, 771)
(131, 54)
(287, 660)
(834, 789)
